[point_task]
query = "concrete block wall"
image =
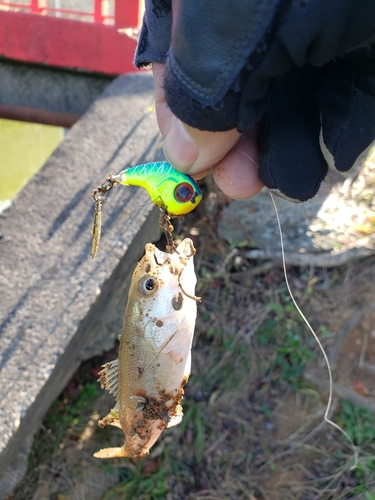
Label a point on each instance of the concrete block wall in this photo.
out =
(58, 306)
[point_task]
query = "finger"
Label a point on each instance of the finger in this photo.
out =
(232, 158)
(237, 173)
(202, 174)
(163, 113)
(188, 149)
(192, 151)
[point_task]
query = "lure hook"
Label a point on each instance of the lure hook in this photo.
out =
(166, 226)
(99, 195)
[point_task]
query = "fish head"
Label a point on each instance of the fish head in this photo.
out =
(159, 270)
(162, 292)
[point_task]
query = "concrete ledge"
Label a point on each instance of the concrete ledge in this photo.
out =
(57, 305)
(50, 89)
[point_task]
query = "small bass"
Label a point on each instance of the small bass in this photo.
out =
(154, 358)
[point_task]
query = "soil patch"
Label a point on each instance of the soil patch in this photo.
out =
(253, 427)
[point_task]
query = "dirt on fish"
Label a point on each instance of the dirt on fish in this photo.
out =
(162, 408)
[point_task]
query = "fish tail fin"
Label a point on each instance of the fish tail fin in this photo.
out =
(111, 453)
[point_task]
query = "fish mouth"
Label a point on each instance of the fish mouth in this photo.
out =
(185, 250)
(179, 263)
(160, 257)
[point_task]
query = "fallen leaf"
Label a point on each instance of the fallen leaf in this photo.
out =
(360, 388)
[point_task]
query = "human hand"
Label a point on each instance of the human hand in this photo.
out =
(315, 110)
(231, 156)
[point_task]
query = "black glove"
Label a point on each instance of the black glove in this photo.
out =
(306, 67)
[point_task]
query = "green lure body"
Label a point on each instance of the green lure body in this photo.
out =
(173, 192)
(176, 192)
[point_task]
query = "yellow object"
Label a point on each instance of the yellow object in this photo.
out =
(24, 148)
(178, 193)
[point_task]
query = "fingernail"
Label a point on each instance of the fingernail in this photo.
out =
(179, 147)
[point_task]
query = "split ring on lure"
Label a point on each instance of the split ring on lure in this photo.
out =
(175, 193)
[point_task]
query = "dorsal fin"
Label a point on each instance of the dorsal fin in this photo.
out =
(109, 377)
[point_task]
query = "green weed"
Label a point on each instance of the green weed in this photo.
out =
(323, 331)
(364, 473)
(284, 334)
(64, 414)
(75, 409)
(246, 243)
(292, 358)
(137, 484)
(219, 372)
(357, 422)
(193, 419)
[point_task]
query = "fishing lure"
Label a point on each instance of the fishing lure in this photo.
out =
(176, 194)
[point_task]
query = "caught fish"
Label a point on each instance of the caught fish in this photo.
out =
(175, 193)
(154, 358)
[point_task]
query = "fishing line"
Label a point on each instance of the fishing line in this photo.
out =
(330, 394)
(143, 205)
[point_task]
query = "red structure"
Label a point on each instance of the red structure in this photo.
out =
(90, 41)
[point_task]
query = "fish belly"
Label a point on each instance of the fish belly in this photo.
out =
(150, 392)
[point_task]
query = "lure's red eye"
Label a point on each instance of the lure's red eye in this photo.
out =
(184, 192)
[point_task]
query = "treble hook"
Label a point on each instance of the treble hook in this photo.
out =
(99, 195)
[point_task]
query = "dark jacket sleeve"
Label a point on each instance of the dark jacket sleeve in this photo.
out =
(155, 36)
(306, 67)
(222, 56)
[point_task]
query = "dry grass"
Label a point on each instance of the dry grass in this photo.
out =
(252, 428)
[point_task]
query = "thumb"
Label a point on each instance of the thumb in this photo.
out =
(188, 149)
(195, 151)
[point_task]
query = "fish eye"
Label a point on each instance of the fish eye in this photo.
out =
(147, 285)
(184, 192)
